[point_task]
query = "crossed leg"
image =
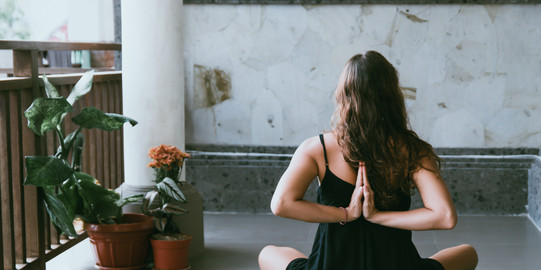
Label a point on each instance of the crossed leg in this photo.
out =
(462, 257)
(277, 258)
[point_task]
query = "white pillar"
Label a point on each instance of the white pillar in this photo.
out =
(152, 82)
(153, 94)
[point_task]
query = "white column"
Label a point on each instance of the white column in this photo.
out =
(153, 94)
(152, 82)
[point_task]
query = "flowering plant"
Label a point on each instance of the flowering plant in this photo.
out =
(167, 162)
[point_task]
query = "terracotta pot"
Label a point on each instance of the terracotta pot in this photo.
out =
(171, 254)
(121, 246)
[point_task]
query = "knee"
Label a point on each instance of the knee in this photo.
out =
(267, 249)
(265, 253)
(470, 250)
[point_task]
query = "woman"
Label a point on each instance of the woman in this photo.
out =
(367, 167)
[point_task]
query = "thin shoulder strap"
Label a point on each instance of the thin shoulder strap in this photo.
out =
(324, 150)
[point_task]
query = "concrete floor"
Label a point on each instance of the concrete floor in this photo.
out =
(233, 241)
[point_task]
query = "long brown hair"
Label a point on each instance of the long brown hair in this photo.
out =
(371, 125)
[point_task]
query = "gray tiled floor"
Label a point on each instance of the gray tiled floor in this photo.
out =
(233, 241)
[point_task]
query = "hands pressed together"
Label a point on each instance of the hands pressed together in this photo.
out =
(362, 199)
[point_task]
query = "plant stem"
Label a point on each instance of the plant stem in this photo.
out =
(77, 132)
(76, 153)
(61, 141)
(62, 189)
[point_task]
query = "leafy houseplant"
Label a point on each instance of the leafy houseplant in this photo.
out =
(68, 192)
(170, 247)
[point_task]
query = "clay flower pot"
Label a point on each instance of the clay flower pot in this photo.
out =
(121, 246)
(171, 254)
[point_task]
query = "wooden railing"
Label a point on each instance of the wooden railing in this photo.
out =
(27, 238)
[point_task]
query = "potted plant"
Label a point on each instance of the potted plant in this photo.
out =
(70, 194)
(170, 247)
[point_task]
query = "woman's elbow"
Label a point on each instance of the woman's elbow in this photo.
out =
(277, 206)
(448, 220)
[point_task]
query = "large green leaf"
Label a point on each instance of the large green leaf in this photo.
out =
(102, 204)
(69, 195)
(122, 118)
(46, 113)
(94, 118)
(86, 177)
(82, 87)
(44, 170)
(168, 187)
(58, 213)
(80, 176)
(49, 88)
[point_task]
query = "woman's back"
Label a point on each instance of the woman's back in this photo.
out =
(358, 244)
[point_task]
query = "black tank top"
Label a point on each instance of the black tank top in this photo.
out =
(359, 244)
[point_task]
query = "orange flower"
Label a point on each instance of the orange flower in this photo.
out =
(166, 156)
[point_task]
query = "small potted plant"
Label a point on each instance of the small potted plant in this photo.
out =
(170, 247)
(70, 194)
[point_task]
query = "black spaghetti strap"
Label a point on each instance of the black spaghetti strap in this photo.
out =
(324, 150)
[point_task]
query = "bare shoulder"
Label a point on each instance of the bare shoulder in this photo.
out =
(427, 172)
(330, 140)
(428, 164)
(310, 147)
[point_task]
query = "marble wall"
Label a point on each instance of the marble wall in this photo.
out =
(471, 73)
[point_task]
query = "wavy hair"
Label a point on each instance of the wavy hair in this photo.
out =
(371, 125)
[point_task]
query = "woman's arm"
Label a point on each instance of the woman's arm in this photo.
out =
(438, 211)
(288, 201)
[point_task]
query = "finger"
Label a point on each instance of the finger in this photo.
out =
(357, 195)
(362, 172)
(365, 178)
(359, 181)
(367, 192)
(360, 192)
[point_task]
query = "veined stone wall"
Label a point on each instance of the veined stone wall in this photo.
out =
(265, 75)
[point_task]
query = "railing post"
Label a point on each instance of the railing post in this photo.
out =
(22, 63)
(25, 64)
(41, 233)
